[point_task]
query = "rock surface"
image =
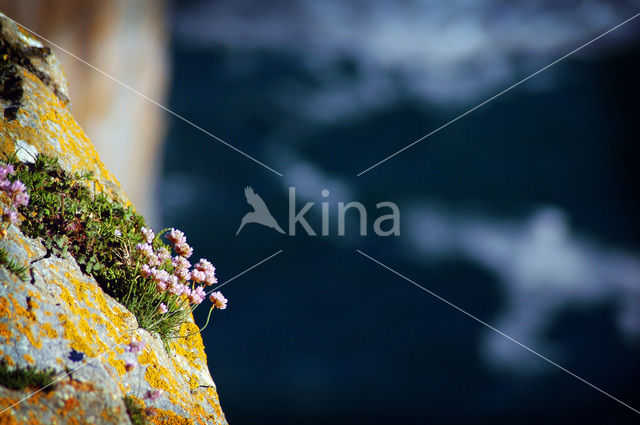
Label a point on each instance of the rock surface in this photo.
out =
(60, 318)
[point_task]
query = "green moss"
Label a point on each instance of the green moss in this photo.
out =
(21, 378)
(135, 410)
(71, 219)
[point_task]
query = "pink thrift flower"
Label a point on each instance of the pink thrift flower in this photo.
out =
(210, 278)
(182, 274)
(163, 254)
(198, 276)
(218, 300)
(18, 187)
(175, 288)
(161, 275)
(180, 262)
(21, 198)
(162, 286)
(148, 234)
(145, 249)
(163, 308)
(9, 215)
(147, 271)
(130, 365)
(183, 249)
(176, 237)
(197, 295)
(135, 346)
(204, 266)
(153, 260)
(6, 170)
(153, 394)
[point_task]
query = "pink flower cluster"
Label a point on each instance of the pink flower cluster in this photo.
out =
(16, 191)
(174, 274)
(218, 300)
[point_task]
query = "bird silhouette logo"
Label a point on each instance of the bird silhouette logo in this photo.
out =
(260, 213)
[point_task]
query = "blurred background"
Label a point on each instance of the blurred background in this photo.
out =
(524, 213)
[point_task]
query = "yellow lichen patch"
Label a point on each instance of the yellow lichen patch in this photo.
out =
(34, 295)
(31, 304)
(158, 376)
(167, 417)
(7, 360)
(83, 289)
(26, 246)
(191, 347)
(71, 333)
(47, 330)
(116, 363)
(29, 359)
(20, 311)
(24, 329)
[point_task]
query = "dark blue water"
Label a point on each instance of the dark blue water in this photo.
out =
(320, 334)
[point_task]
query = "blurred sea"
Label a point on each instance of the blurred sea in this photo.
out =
(524, 213)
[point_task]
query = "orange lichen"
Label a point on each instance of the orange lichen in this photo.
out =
(4, 308)
(47, 330)
(7, 418)
(33, 419)
(69, 405)
(8, 360)
(5, 332)
(29, 359)
(79, 386)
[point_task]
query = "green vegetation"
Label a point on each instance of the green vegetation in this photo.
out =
(135, 410)
(71, 219)
(21, 272)
(21, 378)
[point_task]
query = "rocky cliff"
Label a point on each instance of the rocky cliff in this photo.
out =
(58, 319)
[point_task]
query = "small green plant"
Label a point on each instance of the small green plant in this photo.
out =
(135, 410)
(21, 378)
(21, 272)
(111, 243)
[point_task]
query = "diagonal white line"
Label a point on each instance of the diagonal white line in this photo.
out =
(496, 330)
(240, 274)
(499, 94)
(175, 114)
